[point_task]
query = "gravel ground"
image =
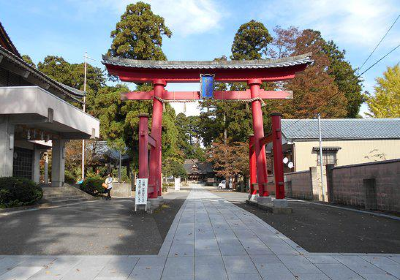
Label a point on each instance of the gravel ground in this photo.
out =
(319, 228)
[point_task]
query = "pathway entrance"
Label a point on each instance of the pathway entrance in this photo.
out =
(211, 238)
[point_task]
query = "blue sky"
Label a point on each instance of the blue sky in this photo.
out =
(202, 29)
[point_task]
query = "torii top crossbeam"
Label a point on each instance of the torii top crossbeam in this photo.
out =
(140, 71)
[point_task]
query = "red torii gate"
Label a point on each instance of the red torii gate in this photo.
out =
(159, 73)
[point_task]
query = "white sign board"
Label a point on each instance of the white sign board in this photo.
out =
(178, 184)
(141, 192)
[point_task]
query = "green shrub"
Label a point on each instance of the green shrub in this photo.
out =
(164, 187)
(69, 178)
(18, 192)
(92, 185)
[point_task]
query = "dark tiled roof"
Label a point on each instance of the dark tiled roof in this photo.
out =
(342, 129)
(201, 167)
(6, 42)
(20, 63)
(231, 64)
(103, 150)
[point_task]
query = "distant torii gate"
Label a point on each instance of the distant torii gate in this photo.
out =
(159, 73)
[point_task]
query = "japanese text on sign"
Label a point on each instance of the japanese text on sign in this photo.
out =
(141, 191)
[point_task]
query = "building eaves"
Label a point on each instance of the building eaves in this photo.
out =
(231, 64)
(58, 87)
(8, 44)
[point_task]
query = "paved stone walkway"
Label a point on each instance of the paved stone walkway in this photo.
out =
(210, 238)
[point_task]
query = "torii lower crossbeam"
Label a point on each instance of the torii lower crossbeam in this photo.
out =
(195, 95)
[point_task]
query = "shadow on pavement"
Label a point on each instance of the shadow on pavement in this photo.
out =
(90, 228)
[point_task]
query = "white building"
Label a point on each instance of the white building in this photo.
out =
(35, 115)
(344, 141)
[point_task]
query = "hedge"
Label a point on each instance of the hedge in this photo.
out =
(18, 192)
(69, 178)
(92, 186)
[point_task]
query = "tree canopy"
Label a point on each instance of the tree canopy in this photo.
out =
(251, 41)
(315, 90)
(345, 78)
(328, 86)
(139, 34)
(72, 74)
(386, 101)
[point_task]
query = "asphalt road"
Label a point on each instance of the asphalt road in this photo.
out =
(91, 228)
(318, 228)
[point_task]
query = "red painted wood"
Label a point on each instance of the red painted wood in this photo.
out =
(258, 135)
(143, 151)
(219, 95)
(252, 166)
(127, 74)
(266, 139)
(152, 141)
(278, 156)
(155, 154)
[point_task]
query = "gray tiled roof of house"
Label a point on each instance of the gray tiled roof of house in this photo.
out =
(342, 128)
(230, 64)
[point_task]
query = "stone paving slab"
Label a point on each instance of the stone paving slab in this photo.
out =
(210, 238)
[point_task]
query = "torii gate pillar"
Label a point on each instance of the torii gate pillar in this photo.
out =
(156, 127)
(258, 136)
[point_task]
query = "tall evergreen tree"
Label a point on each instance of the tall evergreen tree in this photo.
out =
(251, 41)
(139, 34)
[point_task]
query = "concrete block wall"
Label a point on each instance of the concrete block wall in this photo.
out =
(299, 185)
(271, 185)
(349, 188)
(122, 190)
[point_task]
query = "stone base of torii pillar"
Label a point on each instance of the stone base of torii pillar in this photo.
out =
(276, 206)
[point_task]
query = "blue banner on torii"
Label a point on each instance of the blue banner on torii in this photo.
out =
(207, 86)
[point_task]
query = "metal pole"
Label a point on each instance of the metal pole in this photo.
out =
(46, 168)
(84, 109)
(119, 167)
(320, 157)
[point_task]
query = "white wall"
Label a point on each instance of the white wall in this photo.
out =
(6, 151)
(34, 100)
(351, 152)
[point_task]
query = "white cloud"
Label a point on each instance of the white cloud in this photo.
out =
(183, 17)
(361, 22)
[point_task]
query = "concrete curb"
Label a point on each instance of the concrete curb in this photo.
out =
(349, 209)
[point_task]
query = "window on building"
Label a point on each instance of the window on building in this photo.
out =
(329, 157)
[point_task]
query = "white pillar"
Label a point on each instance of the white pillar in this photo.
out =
(46, 168)
(6, 147)
(58, 163)
(36, 165)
